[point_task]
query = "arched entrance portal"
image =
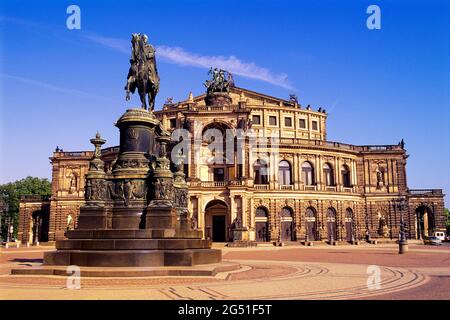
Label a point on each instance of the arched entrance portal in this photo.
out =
(425, 221)
(38, 227)
(331, 224)
(262, 225)
(311, 224)
(217, 221)
(349, 225)
(287, 224)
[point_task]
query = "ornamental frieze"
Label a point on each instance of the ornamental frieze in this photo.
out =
(133, 163)
(181, 197)
(308, 156)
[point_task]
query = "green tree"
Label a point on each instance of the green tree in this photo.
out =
(11, 192)
(447, 213)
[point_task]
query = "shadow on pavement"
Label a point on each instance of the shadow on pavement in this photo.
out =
(23, 260)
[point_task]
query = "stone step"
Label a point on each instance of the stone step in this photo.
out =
(133, 234)
(208, 270)
(132, 244)
(132, 258)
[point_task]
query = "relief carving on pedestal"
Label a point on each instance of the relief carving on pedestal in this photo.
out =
(180, 197)
(95, 190)
(163, 189)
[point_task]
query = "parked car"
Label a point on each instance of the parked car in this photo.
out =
(440, 235)
(433, 241)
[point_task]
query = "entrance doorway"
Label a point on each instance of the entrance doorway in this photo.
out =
(38, 227)
(218, 228)
(311, 224)
(262, 225)
(331, 224)
(217, 221)
(287, 224)
(349, 225)
(425, 223)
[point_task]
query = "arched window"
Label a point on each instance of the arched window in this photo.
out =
(349, 213)
(345, 176)
(310, 213)
(261, 212)
(261, 172)
(286, 212)
(284, 173)
(331, 213)
(328, 174)
(307, 173)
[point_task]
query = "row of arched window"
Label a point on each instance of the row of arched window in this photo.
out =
(262, 212)
(261, 170)
(287, 230)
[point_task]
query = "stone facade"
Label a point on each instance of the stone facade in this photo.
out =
(309, 189)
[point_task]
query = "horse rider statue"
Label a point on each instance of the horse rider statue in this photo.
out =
(143, 73)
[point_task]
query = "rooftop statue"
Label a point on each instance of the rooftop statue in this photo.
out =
(143, 73)
(219, 83)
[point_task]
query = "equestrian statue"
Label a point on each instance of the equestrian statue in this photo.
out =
(143, 73)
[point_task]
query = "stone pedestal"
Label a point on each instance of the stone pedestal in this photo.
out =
(93, 217)
(136, 215)
(240, 234)
(402, 246)
(218, 99)
(161, 218)
(241, 238)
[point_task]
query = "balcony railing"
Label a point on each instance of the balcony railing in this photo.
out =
(209, 184)
(111, 150)
(261, 186)
(425, 192)
(287, 187)
(332, 144)
(236, 183)
(74, 154)
(215, 184)
(34, 197)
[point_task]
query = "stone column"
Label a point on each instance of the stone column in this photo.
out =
(295, 172)
(233, 213)
(92, 214)
(320, 183)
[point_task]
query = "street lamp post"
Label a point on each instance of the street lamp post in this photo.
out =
(36, 232)
(403, 241)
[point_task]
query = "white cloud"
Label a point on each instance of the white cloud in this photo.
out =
(179, 56)
(113, 43)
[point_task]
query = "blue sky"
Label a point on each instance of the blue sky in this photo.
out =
(59, 86)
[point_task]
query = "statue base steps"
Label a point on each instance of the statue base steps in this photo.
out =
(133, 248)
(209, 270)
(132, 258)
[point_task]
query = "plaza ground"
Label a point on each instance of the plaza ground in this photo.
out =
(290, 272)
